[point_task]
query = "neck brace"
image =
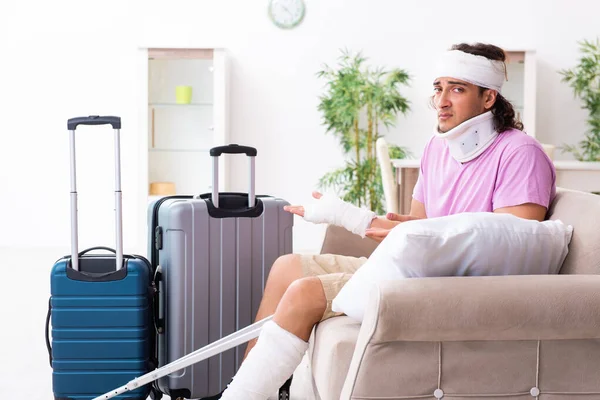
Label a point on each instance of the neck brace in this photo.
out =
(469, 139)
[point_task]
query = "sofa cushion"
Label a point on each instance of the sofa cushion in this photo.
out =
(582, 211)
(345, 243)
(330, 352)
(466, 244)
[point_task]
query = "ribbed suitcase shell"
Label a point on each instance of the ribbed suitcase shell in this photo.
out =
(100, 331)
(213, 276)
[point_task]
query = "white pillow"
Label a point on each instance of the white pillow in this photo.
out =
(466, 244)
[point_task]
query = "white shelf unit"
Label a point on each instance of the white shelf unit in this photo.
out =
(174, 139)
(180, 135)
(520, 88)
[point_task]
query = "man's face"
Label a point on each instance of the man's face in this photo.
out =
(457, 101)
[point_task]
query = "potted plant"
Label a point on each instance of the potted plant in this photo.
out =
(585, 81)
(358, 101)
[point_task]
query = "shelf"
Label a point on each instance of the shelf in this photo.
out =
(577, 165)
(191, 105)
(179, 150)
(558, 164)
(178, 137)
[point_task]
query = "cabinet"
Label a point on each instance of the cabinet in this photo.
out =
(520, 88)
(180, 135)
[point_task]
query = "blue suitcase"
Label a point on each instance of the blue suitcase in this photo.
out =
(101, 307)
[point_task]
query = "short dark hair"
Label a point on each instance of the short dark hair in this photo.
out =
(504, 113)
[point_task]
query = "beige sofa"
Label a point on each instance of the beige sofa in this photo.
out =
(506, 337)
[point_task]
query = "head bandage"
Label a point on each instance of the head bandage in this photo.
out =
(477, 70)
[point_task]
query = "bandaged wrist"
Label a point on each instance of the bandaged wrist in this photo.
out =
(332, 210)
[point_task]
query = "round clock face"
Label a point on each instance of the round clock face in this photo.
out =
(286, 13)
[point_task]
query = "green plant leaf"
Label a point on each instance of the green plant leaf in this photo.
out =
(584, 79)
(357, 101)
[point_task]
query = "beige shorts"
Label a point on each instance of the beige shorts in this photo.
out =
(334, 271)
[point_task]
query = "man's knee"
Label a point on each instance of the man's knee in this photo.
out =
(286, 268)
(286, 261)
(304, 298)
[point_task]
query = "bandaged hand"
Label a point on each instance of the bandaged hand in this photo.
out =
(332, 210)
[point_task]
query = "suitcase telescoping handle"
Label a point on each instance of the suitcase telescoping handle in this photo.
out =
(116, 124)
(94, 120)
(215, 152)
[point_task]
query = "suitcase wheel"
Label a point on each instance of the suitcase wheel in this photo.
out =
(284, 394)
(284, 391)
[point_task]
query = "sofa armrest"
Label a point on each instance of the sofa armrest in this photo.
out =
(517, 307)
(343, 242)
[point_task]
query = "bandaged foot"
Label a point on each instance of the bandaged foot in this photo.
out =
(332, 210)
(269, 364)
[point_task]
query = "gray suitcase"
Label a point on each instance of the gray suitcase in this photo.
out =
(213, 254)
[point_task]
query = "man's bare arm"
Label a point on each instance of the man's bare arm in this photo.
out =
(417, 210)
(527, 211)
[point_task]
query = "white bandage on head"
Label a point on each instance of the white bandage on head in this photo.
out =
(478, 70)
(332, 210)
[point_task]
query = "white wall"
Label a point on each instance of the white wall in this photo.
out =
(60, 64)
(71, 58)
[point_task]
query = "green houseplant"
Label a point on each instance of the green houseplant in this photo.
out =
(358, 100)
(585, 81)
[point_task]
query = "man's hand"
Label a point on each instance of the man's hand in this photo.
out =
(401, 217)
(381, 227)
(330, 209)
(299, 210)
(377, 234)
(391, 220)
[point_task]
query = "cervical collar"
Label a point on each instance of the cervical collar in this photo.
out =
(469, 139)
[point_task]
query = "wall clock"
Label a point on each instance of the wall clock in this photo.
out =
(286, 14)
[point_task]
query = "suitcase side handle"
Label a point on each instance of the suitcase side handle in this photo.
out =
(48, 345)
(215, 152)
(81, 253)
(96, 120)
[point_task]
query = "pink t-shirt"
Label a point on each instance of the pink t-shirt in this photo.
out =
(513, 170)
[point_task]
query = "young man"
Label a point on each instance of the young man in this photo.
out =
(478, 159)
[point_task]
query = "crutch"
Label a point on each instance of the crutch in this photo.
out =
(228, 342)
